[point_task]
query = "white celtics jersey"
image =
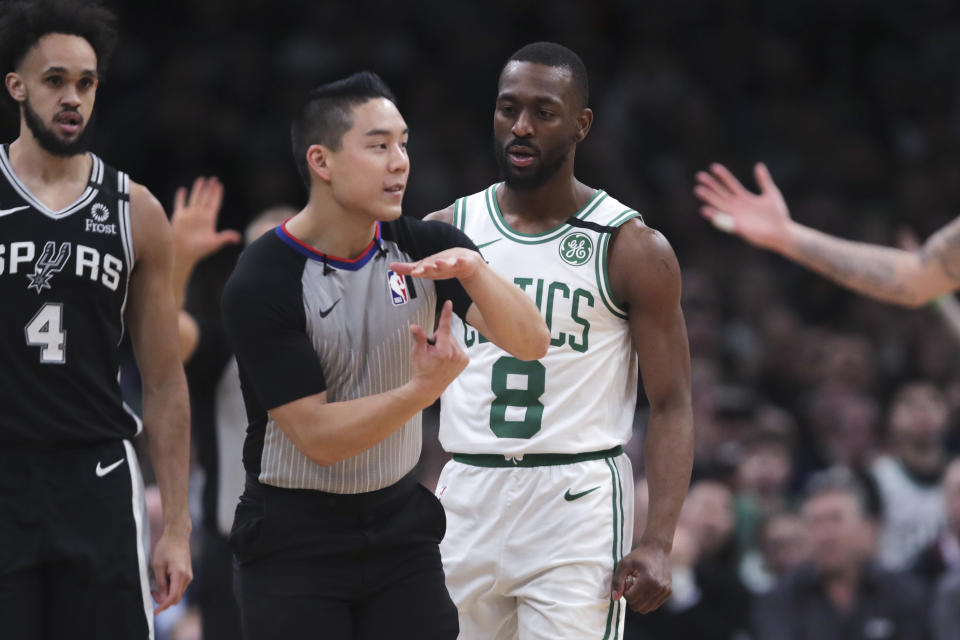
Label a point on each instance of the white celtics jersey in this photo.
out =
(581, 395)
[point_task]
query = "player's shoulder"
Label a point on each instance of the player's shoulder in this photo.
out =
(421, 238)
(635, 237)
(143, 204)
(450, 213)
(149, 226)
(631, 233)
(642, 265)
(406, 229)
(443, 215)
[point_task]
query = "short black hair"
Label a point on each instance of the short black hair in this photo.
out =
(552, 54)
(327, 114)
(24, 22)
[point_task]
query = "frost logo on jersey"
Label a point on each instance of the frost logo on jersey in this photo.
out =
(47, 265)
(99, 214)
(576, 248)
(398, 288)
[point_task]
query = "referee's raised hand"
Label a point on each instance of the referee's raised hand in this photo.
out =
(436, 360)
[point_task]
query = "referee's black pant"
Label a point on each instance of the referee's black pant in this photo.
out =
(309, 564)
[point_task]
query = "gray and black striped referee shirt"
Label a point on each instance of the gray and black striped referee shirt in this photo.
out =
(302, 322)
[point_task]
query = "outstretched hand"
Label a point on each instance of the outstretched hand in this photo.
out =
(194, 221)
(458, 262)
(761, 219)
(643, 577)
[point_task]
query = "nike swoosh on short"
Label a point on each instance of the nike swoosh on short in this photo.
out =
(6, 212)
(102, 471)
(487, 244)
(324, 314)
(569, 497)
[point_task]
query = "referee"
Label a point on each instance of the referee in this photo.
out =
(333, 536)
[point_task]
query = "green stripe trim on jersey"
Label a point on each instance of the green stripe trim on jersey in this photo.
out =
(493, 208)
(458, 217)
(622, 515)
(613, 613)
(603, 275)
(534, 459)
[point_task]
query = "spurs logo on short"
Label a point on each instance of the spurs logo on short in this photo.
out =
(47, 265)
(98, 216)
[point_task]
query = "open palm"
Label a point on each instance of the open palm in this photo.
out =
(194, 220)
(761, 219)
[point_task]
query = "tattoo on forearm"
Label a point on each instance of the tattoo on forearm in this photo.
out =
(871, 277)
(945, 249)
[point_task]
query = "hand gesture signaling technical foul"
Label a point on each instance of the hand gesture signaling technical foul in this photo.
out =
(762, 219)
(436, 360)
(643, 577)
(458, 262)
(194, 221)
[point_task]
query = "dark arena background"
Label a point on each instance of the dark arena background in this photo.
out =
(852, 104)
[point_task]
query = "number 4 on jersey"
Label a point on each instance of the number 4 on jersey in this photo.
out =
(46, 331)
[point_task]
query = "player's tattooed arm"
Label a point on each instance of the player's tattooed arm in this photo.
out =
(151, 317)
(909, 278)
(872, 270)
(942, 250)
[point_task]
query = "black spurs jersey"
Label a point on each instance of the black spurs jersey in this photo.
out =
(63, 289)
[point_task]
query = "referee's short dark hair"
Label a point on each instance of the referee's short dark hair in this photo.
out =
(327, 114)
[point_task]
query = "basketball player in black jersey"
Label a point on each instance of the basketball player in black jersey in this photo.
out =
(85, 255)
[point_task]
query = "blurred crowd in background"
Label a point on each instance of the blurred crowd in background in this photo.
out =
(854, 107)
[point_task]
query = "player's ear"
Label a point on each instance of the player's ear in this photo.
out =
(584, 122)
(317, 159)
(15, 86)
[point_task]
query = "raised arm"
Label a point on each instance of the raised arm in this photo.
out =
(195, 237)
(151, 318)
(645, 277)
(908, 278)
(501, 311)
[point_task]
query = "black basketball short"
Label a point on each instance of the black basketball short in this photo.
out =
(310, 564)
(73, 546)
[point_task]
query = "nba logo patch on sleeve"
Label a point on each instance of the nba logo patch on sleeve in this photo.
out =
(398, 288)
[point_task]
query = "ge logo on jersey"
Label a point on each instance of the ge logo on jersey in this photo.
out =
(576, 248)
(99, 214)
(398, 288)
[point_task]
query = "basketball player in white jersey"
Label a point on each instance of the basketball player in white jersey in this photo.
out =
(539, 493)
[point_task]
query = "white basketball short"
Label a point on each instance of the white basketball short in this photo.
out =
(531, 547)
